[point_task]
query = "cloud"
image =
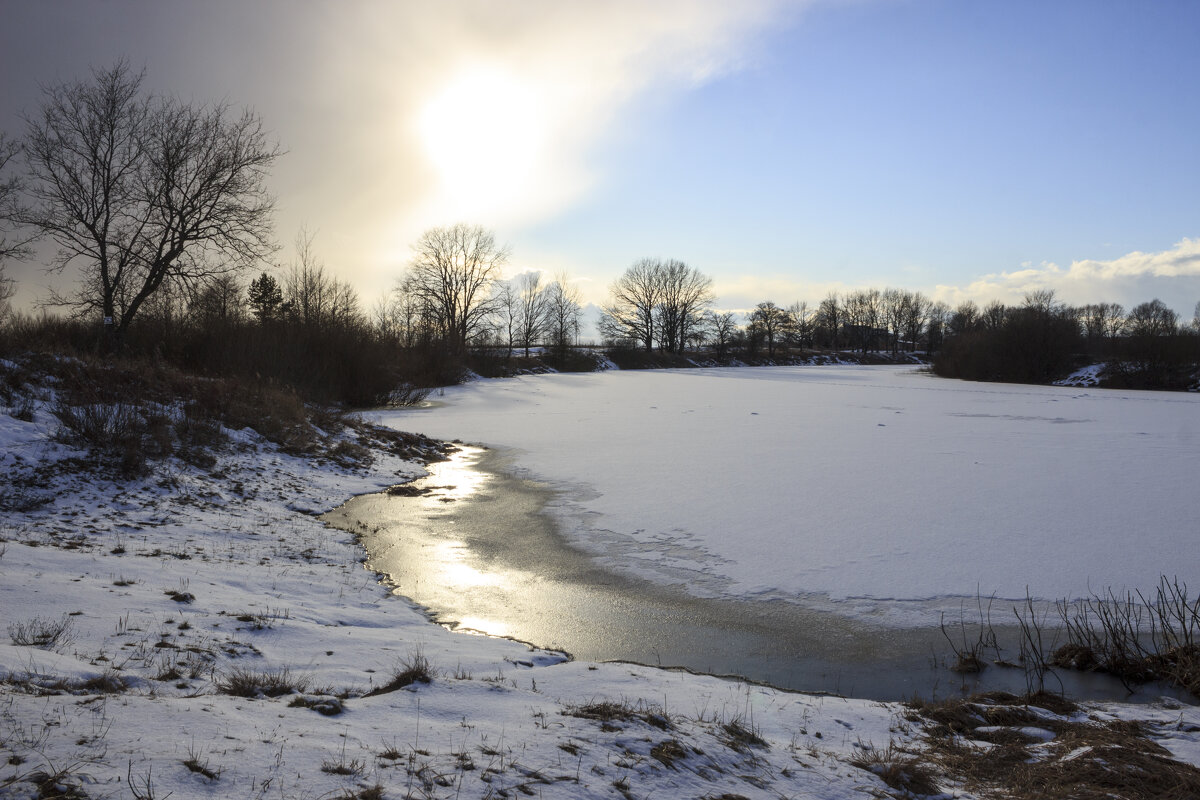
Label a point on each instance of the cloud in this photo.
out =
(344, 86)
(578, 72)
(1172, 275)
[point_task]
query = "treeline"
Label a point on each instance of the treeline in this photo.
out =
(666, 304)
(1148, 347)
(308, 330)
(160, 209)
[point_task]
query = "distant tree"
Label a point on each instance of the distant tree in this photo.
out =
(915, 317)
(218, 301)
(141, 192)
(721, 327)
(265, 297)
(935, 328)
(800, 324)
(532, 309)
(314, 298)
(1154, 353)
(770, 322)
(993, 315)
(1102, 323)
(830, 320)
(451, 276)
(1152, 320)
(506, 315)
(563, 312)
(964, 320)
(863, 310)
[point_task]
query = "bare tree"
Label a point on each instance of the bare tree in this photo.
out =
(532, 309)
(506, 310)
(801, 323)
(722, 328)
(863, 311)
(935, 328)
(312, 297)
(451, 275)
(563, 311)
(770, 322)
(400, 316)
(1152, 320)
(657, 301)
(140, 192)
(994, 315)
(10, 211)
(635, 296)
(830, 319)
(218, 301)
(1102, 322)
(916, 314)
(685, 294)
(964, 319)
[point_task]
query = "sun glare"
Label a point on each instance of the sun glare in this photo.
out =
(483, 133)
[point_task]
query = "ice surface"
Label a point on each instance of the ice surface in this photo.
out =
(852, 482)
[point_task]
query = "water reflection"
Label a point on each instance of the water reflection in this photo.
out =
(472, 544)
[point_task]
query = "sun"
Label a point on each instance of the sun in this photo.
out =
(483, 134)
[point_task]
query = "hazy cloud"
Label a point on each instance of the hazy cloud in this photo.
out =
(1171, 275)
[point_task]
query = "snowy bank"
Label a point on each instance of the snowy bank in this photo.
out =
(196, 632)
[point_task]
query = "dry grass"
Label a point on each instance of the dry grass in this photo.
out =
(411, 670)
(608, 712)
(904, 772)
(240, 682)
(42, 632)
(986, 744)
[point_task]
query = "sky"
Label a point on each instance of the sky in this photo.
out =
(969, 150)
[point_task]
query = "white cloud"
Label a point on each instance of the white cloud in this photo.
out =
(1172, 275)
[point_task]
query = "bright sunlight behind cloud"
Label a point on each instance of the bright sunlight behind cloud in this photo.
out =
(498, 112)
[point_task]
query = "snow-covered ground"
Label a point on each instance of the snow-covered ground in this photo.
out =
(852, 483)
(153, 595)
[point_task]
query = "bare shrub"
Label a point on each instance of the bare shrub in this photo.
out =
(901, 771)
(113, 430)
(42, 632)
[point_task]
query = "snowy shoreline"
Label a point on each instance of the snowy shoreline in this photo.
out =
(168, 588)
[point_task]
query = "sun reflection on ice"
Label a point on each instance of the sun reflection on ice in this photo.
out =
(455, 478)
(482, 626)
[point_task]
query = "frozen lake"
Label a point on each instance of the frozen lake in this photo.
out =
(474, 547)
(881, 492)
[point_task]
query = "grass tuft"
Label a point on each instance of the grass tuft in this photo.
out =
(42, 632)
(240, 682)
(412, 670)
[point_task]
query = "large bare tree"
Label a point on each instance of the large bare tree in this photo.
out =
(10, 247)
(657, 300)
(141, 191)
(451, 275)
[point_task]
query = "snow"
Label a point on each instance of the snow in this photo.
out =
(170, 585)
(865, 484)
